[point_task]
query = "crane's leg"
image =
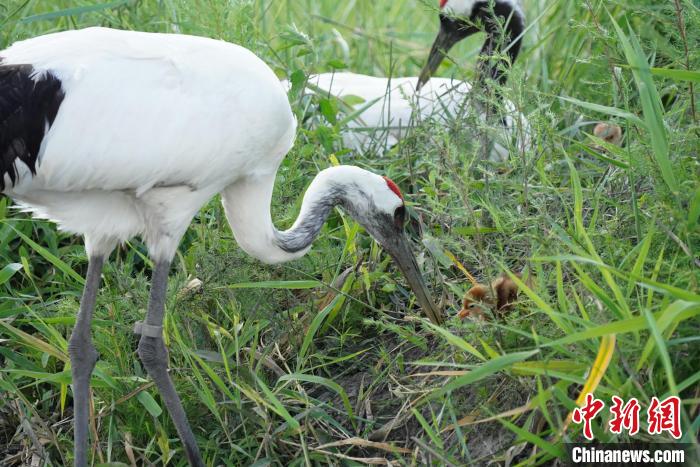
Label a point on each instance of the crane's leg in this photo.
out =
(154, 356)
(83, 356)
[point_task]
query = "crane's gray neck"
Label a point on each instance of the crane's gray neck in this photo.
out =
(247, 206)
(504, 24)
(503, 21)
(315, 209)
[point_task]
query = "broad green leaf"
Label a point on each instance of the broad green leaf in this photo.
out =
(612, 111)
(666, 318)
(616, 327)
(436, 249)
(546, 445)
(276, 405)
(482, 371)
(8, 271)
(661, 349)
(149, 403)
(678, 75)
(35, 343)
(549, 366)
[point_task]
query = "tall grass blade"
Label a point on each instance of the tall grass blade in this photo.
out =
(651, 103)
(482, 371)
(455, 340)
(51, 258)
(596, 373)
(330, 384)
(8, 271)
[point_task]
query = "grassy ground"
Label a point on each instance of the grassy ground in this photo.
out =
(288, 371)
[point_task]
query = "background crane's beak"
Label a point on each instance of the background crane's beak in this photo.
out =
(451, 32)
(454, 29)
(399, 249)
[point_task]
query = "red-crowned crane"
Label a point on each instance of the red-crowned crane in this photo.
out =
(391, 106)
(114, 134)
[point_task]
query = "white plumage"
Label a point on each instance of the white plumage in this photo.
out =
(151, 127)
(396, 107)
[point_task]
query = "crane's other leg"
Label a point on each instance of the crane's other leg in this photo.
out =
(154, 356)
(83, 356)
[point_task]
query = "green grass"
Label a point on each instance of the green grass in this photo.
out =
(324, 360)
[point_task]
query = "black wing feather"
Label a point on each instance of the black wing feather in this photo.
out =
(28, 106)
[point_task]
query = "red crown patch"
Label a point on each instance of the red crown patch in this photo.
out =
(393, 187)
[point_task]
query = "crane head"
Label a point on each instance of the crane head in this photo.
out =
(378, 205)
(502, 20)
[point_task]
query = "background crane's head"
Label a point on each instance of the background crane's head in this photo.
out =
(502, 20)
(378, 205)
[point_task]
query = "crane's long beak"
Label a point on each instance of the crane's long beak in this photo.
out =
(447, 37)
(400, 250)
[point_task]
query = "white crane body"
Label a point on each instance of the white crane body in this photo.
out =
(392, 107)
(166, 122)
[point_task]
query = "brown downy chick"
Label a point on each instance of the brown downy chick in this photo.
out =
(608, 132)
(474, 301)
(499, 297)
(506, 292)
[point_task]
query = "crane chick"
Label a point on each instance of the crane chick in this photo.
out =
(498, 297)
(608, 132)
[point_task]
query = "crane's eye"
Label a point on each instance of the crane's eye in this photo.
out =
(400, 216)
(472, 305)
